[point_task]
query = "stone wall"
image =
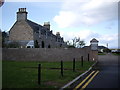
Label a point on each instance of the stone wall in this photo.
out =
(43, 54)
(21, 31)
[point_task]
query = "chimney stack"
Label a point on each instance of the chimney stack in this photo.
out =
(47, 25)
(22, 14)
(58, 34)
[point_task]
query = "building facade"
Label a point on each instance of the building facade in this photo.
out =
(30, 34)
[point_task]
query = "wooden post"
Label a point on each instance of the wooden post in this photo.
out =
(39, 74)
(82, 61)
(88, 56)
(62, 68)
(73, 64)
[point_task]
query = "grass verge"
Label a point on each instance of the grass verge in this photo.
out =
(24, 74)
(118, 54)
(101, 54)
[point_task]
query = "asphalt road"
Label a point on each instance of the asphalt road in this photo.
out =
(108, 76)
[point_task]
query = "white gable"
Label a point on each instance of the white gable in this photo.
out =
(30, 44)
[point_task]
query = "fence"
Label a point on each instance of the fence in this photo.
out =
(62, 68)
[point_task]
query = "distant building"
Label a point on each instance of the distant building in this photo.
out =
(30, 34)
(94, 44)
(101, 48)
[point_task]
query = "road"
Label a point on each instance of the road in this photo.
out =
(105, 76)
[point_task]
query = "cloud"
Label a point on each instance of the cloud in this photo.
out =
(87, 13)
(65, 18)
(87, 35)
(111, 25)
(112, 40)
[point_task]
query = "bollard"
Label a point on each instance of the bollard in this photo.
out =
(82, 61)
(39, 74)
(62, 68)
(73, 64)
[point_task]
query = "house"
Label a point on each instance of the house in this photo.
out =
(101, 48)
(30, 34)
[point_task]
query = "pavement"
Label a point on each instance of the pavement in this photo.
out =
(104, 75)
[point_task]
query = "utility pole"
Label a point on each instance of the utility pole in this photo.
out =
(107, 45)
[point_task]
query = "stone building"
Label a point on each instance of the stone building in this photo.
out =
(30, 34)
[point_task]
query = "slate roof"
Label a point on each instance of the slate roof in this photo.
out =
(102, 47)
(94, 40)
(36, 27)
(99, 47)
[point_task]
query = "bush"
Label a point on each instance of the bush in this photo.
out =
(106, 50)
(71, 46)
(36, 44)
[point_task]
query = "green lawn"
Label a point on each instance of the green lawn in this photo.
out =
(118, 54)
(23, 74)
(101, 54)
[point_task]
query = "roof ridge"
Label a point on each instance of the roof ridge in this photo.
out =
(33, 25)
(33, 22)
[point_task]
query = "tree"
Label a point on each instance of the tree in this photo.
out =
(36, 44)
(4, 38)
(13, 44)
(81, 44)
(70, 45)
(76, 43)
(106, 50)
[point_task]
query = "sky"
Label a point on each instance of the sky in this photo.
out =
(86, 19)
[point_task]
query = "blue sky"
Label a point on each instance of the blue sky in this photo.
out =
(89, 19)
